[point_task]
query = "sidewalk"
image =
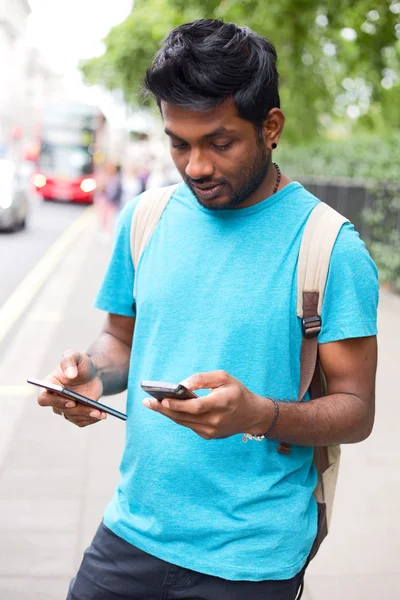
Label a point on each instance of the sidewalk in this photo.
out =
(55, 479)
(360, 559)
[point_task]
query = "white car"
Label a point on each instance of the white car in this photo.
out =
(13, 197)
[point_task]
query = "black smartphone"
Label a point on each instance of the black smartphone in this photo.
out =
(66, 393)
(162, 389)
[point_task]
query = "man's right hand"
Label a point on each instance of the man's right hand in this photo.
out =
(77, 372)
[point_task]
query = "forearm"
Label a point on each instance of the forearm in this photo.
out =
(333, 419)
(111, 358)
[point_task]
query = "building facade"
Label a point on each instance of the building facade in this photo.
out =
(13, 22)
(26, 81)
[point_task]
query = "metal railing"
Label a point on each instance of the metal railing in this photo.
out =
(350, 198)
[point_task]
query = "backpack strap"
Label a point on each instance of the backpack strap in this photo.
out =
(319, 236)
(145, 218)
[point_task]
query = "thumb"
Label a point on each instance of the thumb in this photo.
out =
(210, 380)
(69, 363)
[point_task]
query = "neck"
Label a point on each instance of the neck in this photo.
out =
(266, 187)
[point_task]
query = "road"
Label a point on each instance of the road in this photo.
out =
(56, 479)
(20, 251)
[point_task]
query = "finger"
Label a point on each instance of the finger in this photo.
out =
(46, 398)
(84, 412)
(186, 410)
(204, 430)
(175, 415)
(82, 421)
(214, 401)
(204, 381)
(195, 406)
(57, 412)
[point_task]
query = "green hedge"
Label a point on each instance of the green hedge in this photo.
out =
(384, 243)
(371, 161)
(367, 159)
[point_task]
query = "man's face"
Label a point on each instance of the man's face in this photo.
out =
(218, 154)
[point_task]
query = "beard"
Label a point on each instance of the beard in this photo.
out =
(247, 183)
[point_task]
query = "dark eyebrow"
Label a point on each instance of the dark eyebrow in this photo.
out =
(171, 133)
(219, 131)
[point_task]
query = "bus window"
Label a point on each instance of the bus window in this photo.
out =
(65, 161)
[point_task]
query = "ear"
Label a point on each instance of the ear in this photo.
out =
(273, 127)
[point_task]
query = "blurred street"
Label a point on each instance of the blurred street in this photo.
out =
(55, 479)
(45, 222)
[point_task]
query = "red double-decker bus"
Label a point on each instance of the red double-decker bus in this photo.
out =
(71, 146)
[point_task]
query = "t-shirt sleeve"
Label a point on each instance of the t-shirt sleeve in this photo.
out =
(116, 292)
(352, 290)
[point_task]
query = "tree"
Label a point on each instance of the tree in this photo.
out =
(335, 58)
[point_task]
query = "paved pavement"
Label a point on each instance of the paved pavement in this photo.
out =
(55, 479)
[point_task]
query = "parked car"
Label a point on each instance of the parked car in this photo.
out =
(14, 198)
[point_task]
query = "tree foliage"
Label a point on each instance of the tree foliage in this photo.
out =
(325, 74)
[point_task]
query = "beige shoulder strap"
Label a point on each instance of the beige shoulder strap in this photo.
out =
(145, 218)
(319, 237)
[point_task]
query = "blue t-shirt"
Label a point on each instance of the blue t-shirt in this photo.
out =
(217, 290)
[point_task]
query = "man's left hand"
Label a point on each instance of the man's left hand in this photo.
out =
(230, 408)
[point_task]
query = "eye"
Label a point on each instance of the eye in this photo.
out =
(223, 148)
(180, 146)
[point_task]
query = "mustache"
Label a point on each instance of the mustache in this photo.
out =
(204, 181)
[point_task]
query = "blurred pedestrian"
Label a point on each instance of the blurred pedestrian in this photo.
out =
(108, 198)
(114, 186)
(131, 185)
(143, 176)
(198, 514)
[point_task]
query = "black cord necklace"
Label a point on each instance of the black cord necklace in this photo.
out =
(278, 178)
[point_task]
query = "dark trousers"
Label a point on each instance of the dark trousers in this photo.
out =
(113, 569)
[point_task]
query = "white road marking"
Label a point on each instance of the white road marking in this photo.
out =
(21, 298)
(27, 348)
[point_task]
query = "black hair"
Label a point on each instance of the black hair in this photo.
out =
(203, 63)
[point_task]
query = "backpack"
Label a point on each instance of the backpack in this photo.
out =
(319, 237)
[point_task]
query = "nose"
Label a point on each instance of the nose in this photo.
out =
(199, 165)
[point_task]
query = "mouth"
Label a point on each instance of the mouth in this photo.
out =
(207, 192)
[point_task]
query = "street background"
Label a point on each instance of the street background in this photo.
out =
(339, 64)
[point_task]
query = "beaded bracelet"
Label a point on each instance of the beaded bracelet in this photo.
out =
(259, 438)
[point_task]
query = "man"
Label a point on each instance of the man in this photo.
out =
(197, 513)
